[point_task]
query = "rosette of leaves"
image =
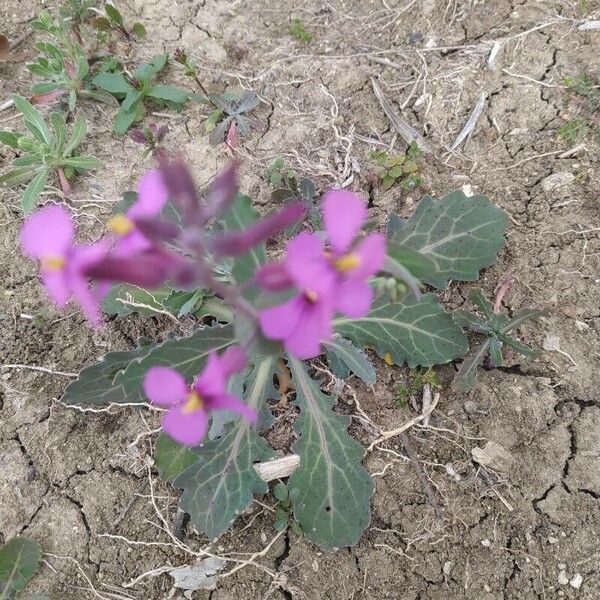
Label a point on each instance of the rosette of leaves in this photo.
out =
(133, 92)
(151, 137)
(47, 150)
(230, 113)
(496, 328)
(112, 22)
(329, 493)
(20, 558)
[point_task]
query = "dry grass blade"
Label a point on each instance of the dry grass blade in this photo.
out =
(408, 133)
(470, 124)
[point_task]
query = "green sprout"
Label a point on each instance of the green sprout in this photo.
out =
(418, 378)
(283, 511)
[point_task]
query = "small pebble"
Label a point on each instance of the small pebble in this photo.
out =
(562, 566)
(562, 578)
(470, 407)
(576, 581)
(416, 37)
(486, 543)
(553, 540)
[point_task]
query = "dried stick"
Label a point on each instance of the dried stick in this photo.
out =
(408, 133)
(278, 468)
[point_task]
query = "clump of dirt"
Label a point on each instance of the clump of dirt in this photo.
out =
(81, 483)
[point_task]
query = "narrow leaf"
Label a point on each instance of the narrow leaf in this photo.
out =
(477, 298)
(518, 346)
(464, 380)
(113, 14)
(124, 120)
(344, 357)
(467, 320)
(460, 234)
(114, 83)
(33, 190)
(523, 315)
(331, 490)
(10, 138)
(168, 92)
(33, 119)
(417, 332)
(496, 352)
(77, 135)
(17, 176)
(83, 163)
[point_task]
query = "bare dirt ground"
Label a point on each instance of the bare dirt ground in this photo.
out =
(69, 479)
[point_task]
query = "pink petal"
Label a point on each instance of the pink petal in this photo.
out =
(165, 386)
(344, 214)
(189, 428)
(279, 321)
(313, 328)
(80, 288)
(47, 232)
(274, 277)
(234, 404)
(57, 286)
(233, 360)
(307, 264)
(132, 243)
(353, 298)
(152, 196)
(372, 253)
(212, 381)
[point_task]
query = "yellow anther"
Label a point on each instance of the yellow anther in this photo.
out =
(387, 357)
(53, 263)
(311, 296)
(194, 402)
(120, 224)
(348, 262)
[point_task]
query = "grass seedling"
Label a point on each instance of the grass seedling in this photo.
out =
(45, 151)
(401, 169)
(135, 91)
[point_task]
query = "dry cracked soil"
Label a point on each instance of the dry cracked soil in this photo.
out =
(524, 528)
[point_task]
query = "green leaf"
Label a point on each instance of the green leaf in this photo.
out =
(139, 30)
(10, 138)
(344, 357)
(518, 346)
(114, 83)
(148, 70)
(83, 163)
(113, 14)
(523, 315)
(33, 191)
(417, 332)
(171, 458)
(467, 320)
(118, 377)
(77, 135)
(280, 492)
(464, 380)
(239, 216)
(331, 490)
(124, 120)
(213, 119)
(60, 129)
(460, 234)
(16, 176)
(419, 265)
(33, 120)
(496, 352)
(477, 298)
(220, 485)
(19, 560)
(132, 98)
(168, 92)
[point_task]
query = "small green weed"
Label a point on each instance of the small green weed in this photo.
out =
(283, 511)
(418, 378)
(402, 169)
(299, 32)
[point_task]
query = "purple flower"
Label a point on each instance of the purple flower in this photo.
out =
(47, 235)
(190, 406)
(152, 196)
(329, 279)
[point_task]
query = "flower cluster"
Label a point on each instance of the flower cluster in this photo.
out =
(321, 274)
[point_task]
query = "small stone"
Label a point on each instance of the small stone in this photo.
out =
(557, 180)
(494, 456)
(416, 37)
(486, 543)
(470, 407)
(576, 581)
(552, 540)
(448, 567)
(581, 326)
(562, 578)
(487, 588)
(562, 566)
